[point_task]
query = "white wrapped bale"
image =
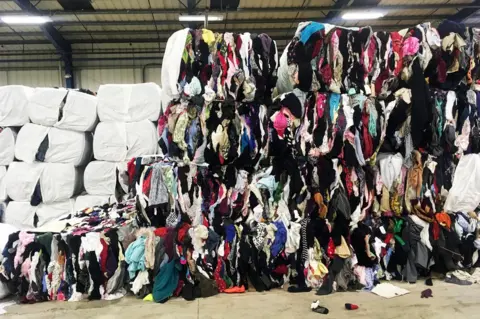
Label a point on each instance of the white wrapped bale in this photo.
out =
(46, 213)
(58, 182)
(44, 105)
(129, 102)
(63, 146)
(117, 141)
(3, 188)
(87, 201)
(7, 145)
(100, 178)
(79, 113)
(20, 215)
(24, 216)
(21, 180)
(13, 105)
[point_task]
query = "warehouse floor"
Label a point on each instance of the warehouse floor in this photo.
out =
(449, 300)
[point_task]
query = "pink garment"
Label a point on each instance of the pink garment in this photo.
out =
(321, 99)
(280, 123)
(26, 267)
(410, 46)
(24, 239)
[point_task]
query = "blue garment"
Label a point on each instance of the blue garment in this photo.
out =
(309, 30)
(280, 239)
(192, 132)
(135, 256)
(334, 105)
(165, 282)
(230, 232)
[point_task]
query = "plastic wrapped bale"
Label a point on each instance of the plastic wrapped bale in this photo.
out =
(56, 182)
(102, 178)
(8, 135)
(87, 201)
(53, 145)
(13, 105)
(117, 141)
(79, 112)
(45, 104)
(3, 189)
(20, 215)
(46, 213)
(21, 180)
(129, 102)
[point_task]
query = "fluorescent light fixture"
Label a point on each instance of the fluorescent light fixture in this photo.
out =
(362, 15)
(25, 19)
(200, 18)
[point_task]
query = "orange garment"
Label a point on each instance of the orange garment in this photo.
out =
(444, 219)
(322, 208)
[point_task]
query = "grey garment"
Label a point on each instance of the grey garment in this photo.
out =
(417, 252)
(159, 254)
(266, 44)
(158, 189)
(301, 96)
(346, 275)
(358, 149)
(340, 204)
(115, 283)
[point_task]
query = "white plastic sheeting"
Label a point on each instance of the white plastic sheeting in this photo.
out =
(464, 196)
(115, 141)
(58, 182)
(22, 215)
(44, 105)
(100, 177)
(129, 102)
(63, 146)
(87, 201)
(7, 145)
(21, 179)
(13, 105)
(79, 112)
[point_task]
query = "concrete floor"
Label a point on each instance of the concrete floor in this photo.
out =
(449, 300)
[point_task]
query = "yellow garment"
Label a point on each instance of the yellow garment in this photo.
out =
(385, 201)
(208, 36)
(343, 251)
(319, 269)
(148, 297)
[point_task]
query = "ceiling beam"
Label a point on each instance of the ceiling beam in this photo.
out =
(239, 21)
(463, 14)
(55, 38)
(354, 7)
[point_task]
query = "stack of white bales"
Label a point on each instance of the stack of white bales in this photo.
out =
(52, 152)
(13, 115)
(127, 114)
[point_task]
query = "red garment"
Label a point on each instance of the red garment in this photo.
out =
(179, 288)
(281, 270)
(182, 231)
(226, 250)
(218, 279)
(103, 256)
(131, 170)
(387, 240)
(331, 249)
(147, 181)
(367, 139)
(397, 42)
(161, 232)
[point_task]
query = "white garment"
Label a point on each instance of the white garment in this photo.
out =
(424, 233)
(464, 196)
(140, 281)
(451, 100)
(293, 238)
(390, 169)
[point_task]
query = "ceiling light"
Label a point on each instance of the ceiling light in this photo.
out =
(25, 19)
(200, 18)
(362, 15)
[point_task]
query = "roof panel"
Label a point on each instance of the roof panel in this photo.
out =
(8, 6)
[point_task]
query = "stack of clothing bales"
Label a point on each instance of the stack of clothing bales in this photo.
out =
(72, 259)
(13, 114)
(216, 88)
(126, 130)
(52, 152)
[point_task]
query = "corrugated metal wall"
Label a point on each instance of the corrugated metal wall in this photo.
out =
(87, 78)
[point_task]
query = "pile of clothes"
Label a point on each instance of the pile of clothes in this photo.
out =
(363, 167)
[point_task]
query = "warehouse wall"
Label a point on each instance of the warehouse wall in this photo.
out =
(87, 78)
